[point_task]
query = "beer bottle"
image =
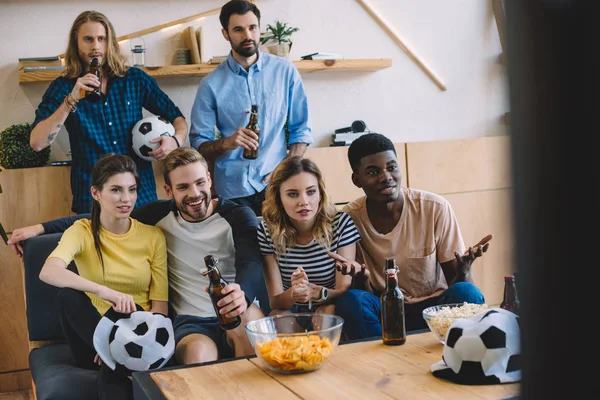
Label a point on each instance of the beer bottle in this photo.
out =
(95, 95)
(510, 301)
(393, 328)
(217, 283)
(253, 126)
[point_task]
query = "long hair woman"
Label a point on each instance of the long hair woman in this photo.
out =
(300, 233)
(121, 262)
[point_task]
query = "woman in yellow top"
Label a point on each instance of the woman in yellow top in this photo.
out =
(121, 263)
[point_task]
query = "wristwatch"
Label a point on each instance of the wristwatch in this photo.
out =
(324, 293)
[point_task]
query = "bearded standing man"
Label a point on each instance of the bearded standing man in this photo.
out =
(224, 99)
(102, 127)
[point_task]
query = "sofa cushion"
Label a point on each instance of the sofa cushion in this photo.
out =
(57, 378)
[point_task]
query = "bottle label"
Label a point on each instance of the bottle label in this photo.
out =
(391, 272)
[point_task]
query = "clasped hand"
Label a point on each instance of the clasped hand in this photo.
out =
(302, 290)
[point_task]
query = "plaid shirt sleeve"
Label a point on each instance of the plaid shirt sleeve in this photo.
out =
(52, 99)
(156, 101)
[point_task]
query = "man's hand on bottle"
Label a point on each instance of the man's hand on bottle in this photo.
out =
(19, 235)
(243, 137)
(88, 82)
(234, 303)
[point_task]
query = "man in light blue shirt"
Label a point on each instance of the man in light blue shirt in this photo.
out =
(224, 98)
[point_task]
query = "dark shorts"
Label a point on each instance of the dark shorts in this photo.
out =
(188, 324)
(303, 308)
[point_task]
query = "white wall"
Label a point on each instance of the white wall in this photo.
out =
(457, 39)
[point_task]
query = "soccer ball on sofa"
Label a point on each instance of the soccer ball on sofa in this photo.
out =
(482, 349)
(147, 129)
(136, 342)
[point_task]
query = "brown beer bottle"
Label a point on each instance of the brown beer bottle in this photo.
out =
(393, 328)
(510, 301)
(95, 95)
(253, 126)
(217, 283)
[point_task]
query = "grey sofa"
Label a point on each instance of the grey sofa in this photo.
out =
(52, 366)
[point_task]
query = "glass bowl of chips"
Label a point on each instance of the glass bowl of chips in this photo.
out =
(296, 342)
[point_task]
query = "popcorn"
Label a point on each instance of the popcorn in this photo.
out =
(439, 321)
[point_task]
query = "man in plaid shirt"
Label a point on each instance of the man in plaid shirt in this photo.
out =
(99, 127)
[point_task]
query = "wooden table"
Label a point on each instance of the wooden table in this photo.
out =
(361, 370)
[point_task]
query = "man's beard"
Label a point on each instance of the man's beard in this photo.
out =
(245, 51)
(194, 215)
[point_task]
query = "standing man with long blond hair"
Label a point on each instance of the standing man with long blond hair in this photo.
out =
(101, 127)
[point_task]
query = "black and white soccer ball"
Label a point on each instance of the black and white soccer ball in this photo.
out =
(139, 341)
(482, 349)
(147, 129)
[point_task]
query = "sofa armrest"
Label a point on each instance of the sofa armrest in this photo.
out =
(43, 322)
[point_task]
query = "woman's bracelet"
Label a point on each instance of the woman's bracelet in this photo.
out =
(176, 140)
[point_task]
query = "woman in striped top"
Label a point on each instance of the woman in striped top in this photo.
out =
(299, 235)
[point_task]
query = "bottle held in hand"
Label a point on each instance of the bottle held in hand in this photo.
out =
(393, 327)
(216, 285)
(253, 126)
(511, 300)
(95, 95)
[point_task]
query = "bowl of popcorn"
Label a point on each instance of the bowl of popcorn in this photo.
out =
(440, 317)
(295, 343)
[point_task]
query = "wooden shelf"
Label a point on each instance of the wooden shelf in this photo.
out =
(356, 65)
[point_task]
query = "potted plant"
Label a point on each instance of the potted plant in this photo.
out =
(277, 38)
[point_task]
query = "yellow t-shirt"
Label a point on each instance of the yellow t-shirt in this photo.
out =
(135, 263)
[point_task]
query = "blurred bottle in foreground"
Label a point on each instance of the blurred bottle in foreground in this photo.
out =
(510, 301)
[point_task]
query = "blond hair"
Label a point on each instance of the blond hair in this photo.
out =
(179, 157)
(115, 62)
(283, 233)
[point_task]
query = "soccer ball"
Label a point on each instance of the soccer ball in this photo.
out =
(137, 342)
(147, 129)
(482, 349)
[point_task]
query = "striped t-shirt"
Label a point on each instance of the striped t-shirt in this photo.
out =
(319, 267)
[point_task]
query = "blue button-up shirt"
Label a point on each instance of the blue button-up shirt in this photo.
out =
(224, 99)
(96, 129)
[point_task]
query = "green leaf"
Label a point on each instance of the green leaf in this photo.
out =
(3, 234)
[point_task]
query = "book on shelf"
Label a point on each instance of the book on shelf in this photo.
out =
(217, 59)
(191, 42)
(51, 58)
(40, 61)
(43, 68)
(322, 56)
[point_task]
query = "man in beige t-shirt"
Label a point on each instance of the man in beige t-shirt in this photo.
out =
(416, 228)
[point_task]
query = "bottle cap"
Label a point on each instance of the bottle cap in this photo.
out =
(509, 277)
